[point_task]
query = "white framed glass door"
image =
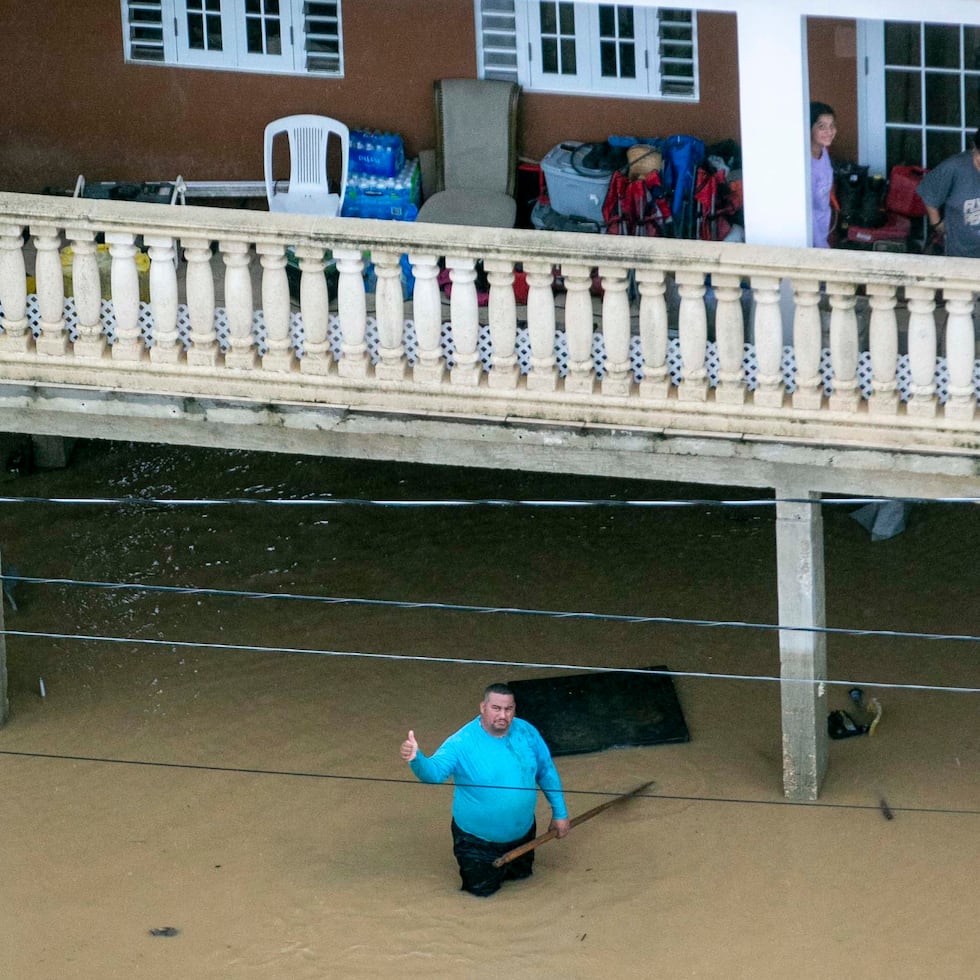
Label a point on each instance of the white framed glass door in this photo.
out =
(919, 99)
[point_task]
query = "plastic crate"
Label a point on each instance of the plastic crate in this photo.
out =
(374, 153)
(387, 198)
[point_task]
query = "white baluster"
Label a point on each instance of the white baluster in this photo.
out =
(389, 308)
(883, 342)
(13, 290)
(692, 325)
(352, 311)
(653, 332)
(579, 328)
(204, 350)
(129, 344)
(768, 333)
(541, 326)
(239, 305)
(961, 402)
(502, 315)
(464, 315)
(618, 378)
(166, 347)
(807, 344)
(730, 336)
(50, 290)
(275, 307)
(87, 289)
(314, 304)
(430, 368)
(922, 350)
(843, 347)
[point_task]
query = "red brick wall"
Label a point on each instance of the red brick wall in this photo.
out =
(72, 106)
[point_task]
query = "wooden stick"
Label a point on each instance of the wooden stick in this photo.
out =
(574, 822)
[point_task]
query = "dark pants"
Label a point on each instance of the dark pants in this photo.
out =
(475, 857)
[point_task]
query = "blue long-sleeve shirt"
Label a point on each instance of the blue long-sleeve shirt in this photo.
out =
(496, 778)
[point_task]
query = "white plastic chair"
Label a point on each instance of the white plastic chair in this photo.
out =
(309, 190)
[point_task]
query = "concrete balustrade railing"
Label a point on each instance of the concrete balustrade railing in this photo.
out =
(794, 344)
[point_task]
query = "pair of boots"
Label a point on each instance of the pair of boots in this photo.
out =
(861, 197)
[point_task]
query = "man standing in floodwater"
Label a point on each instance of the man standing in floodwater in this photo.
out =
(497, 763)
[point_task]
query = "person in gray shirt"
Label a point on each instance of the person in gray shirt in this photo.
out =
(951, 194)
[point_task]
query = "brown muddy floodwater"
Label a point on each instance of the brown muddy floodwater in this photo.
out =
(250, 797)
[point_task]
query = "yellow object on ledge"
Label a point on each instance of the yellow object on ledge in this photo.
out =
(104, 261)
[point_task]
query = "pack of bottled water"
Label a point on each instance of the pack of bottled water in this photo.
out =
(394, 198)
(375, 153)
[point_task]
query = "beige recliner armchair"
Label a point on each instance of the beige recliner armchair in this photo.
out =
(476, 154)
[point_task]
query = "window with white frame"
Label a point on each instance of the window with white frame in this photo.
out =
(301, 37)
(919, 94)
(590, 48)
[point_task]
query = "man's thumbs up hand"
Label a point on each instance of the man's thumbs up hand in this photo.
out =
(410, 747)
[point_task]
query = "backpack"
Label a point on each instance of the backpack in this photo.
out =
(682, 157)
(636, 207)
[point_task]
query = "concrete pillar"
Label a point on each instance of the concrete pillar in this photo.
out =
(775, 123)
(51, 452)
(802, 655)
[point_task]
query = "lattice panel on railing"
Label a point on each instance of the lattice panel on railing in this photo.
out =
(712, 363)
(34, 314)
(942, 379)
(522, 348)
(447, 344)
(221, 328)
(109, 322)
(788, 365)
(260, 332)
(826, 371)
(183, 326)
(599, 356)
(410, 342)
(865, 375)
(485, 346)
(750, 368)
(675, 363)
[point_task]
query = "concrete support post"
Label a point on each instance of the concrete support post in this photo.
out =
(777, 199)
(802, 655)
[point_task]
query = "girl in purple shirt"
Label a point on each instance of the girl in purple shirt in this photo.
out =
(823, 129)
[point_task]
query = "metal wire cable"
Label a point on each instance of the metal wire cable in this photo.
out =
(517, 664)
(475, 502)
(471, 608)
(479, 609)
(253, 771)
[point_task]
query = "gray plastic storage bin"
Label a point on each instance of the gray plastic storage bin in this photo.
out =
(573, 193)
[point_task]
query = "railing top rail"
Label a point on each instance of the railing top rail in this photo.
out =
(185, 222)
